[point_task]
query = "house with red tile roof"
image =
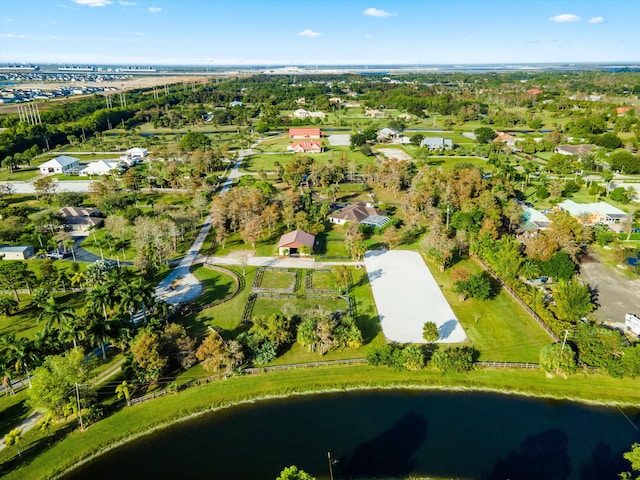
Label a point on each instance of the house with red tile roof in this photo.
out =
(621, 111)
(308, 146)
(295, 133)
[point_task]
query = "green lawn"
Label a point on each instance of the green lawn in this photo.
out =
(322, 280)
(225, 316)
(280, 279)
(499, 328)
(215, 285)
(21, 175)
(24, 323)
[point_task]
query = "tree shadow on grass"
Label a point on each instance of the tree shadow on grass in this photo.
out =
(390, 453)
(540, 456)
(369, 326)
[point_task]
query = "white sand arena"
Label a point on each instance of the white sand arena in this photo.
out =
(407, 296)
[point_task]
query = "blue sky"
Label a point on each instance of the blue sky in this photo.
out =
(302, 32)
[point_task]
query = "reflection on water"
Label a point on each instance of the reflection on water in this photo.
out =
(385, 435)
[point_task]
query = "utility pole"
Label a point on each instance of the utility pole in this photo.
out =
(79, 409)
(330, 465)
(447, 217)
(566, 332)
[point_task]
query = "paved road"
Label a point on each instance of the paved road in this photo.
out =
(278, 262)
(617, 295)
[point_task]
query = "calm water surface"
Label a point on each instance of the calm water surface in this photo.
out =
(385, 434)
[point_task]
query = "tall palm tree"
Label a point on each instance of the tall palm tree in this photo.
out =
(55, 313)
(100, 332)
(13, 438)
(6, 369)
(100, 298)
(73, 328)
(21, 351)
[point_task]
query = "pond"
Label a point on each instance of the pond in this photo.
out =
(389, 434)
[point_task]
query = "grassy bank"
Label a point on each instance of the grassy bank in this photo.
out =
(134, 421)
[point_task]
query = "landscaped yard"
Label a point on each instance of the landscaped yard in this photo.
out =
(499, 328)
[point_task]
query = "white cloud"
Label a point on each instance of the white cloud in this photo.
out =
(369, 36)
(309, 33)
(376, 12)
(155, 9)
(9, 20)
(60, 5)
(93, 3)
(542, 40)
(126, 4)
(565, 18)
(596, 20)
(12, 35)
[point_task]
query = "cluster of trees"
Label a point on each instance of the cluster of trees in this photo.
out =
(414, 357)
(594, 346)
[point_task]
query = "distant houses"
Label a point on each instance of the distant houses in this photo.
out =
(436, 143)
(308, 146)
(374, 113)
(579, 150)
(100, 167)
(61, 164)
(302, 113)
(304, 133)
(506, 138)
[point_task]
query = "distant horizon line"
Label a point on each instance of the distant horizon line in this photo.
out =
(618, 63)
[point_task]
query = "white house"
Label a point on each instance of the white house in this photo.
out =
(21, 252)
(100, 167)
(137, 152)
(61, 164)
(435, 143)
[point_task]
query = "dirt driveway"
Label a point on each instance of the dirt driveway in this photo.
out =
(394, 153)
(617, 295)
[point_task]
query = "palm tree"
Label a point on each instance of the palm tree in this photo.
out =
(45, 424)
(77, 278)
(100, 298)
(13, 438)
(73, 328)
(100, 331)
(55, 313)
(21, 352)
(122, 390)
(5, 372)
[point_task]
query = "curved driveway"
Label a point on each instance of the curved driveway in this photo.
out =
(181, 285)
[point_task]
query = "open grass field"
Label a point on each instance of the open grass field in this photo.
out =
(225, 316)
(215, 285)
(21, 175)
(24, 323)
(279, 279)
(499, 328)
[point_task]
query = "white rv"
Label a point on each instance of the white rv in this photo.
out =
(632, 322)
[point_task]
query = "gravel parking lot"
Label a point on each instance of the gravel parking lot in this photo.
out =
(407, 296)
(616, 295)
